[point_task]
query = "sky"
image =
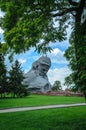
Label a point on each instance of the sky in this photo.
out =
(59, 65)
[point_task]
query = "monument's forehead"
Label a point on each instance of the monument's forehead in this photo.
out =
(45, 60)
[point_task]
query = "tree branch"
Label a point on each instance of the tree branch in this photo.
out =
(80, 10)
(81, 6)
(67, 10)
(73, 3)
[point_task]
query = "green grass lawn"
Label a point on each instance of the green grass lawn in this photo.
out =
(73, 118)
(38, 100)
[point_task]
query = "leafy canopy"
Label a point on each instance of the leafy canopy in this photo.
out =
(33, 23)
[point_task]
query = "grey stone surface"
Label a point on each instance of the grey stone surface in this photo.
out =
(36, 78)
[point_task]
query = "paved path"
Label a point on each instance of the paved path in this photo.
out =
(40, 107)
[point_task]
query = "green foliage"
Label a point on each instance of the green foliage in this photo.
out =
(3, 76)
(57, 85)
(22, 91)
(68, 81)
(15, 81)
(27, 22)
(76, 56)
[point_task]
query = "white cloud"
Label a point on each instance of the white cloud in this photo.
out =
(1, 30)
(22, 61)
(57, 56)
(55, 51)
(58, 74)
(2, 14)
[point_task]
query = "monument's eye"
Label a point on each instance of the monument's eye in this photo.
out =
(44, 70)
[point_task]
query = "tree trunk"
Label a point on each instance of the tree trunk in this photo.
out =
(80, 52)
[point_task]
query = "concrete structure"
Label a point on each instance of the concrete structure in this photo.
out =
(36, 78)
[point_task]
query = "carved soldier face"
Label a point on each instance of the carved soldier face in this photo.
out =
(43, 69)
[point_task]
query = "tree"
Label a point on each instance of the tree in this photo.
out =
(38, 24)
(77, 62)
(57, 85)
(69, 82)
(3, 75)
(15, 81)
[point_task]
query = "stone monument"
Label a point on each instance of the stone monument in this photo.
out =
(36, 78)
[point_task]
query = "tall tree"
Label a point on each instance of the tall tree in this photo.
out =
(31, 23)
(77, 78)
(15, 80)
(3, 75)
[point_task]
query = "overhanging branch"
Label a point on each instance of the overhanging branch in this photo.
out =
(81, 6)
(73, 2)
(65, 11)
